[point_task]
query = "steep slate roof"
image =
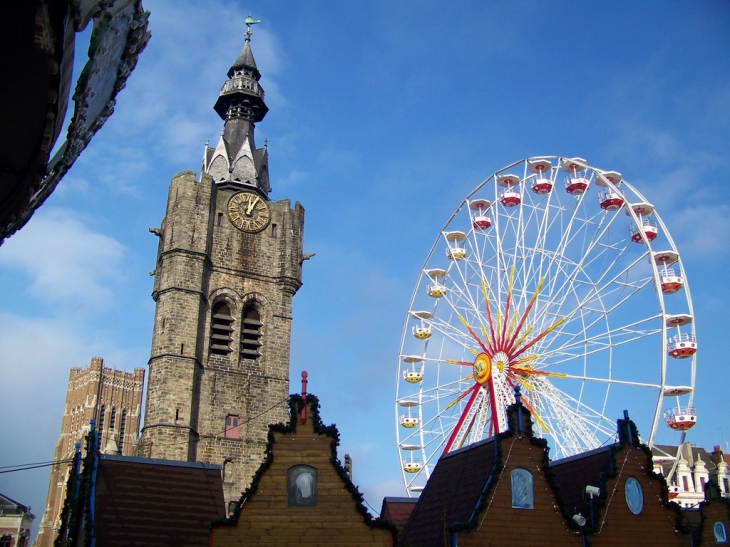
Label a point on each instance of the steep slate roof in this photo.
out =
(452, 493)
(574, 473)
(156, 502)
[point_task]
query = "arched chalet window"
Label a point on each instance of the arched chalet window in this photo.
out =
(301, 484)
(523, 495)
(221, 328)
(251, 333)
(720, 533)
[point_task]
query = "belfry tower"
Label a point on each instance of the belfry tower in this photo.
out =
(228, 265)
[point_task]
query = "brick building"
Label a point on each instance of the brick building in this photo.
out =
(228, 264)
(114, 399)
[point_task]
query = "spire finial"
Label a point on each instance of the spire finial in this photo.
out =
(249, 21)
(303, 411)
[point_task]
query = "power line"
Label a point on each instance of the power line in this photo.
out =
(37, 465)
(29, 466)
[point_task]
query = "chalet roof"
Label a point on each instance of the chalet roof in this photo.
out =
(452, 493)
(397, 510)
(156, 502)
(574, 473)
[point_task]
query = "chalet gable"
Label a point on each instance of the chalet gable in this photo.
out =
(629, 503)
(301, 494)
(486, 493)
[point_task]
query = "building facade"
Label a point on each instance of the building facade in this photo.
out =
(228, 264)
(15, 522)
(691, 468)
(114, 399)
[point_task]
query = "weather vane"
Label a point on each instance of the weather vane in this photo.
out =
(250, 21)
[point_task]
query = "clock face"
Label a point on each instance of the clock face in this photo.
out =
(248, 211)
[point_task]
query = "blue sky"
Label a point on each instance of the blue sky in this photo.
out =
(383, 117)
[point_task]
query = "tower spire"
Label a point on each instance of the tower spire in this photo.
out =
(236, 161)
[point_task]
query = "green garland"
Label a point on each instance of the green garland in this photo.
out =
(75, 513)
(296, 403)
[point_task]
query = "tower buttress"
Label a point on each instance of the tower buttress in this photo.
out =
(228, 265)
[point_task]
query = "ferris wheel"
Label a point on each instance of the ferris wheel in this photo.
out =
(560, 279)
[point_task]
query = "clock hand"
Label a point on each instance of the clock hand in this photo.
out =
(251, 205)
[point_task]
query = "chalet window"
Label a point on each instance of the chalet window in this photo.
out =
(523, 495)
(720, 533)
(634, 495)
(301, 484)
(251, 333)
(233, 427)
(220, 329)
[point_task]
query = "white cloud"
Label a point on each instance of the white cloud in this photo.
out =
(65, 258)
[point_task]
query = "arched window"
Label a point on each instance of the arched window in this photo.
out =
(251, 333)
(221, 329)
(523, 496)
(720, 533)
(301, 485)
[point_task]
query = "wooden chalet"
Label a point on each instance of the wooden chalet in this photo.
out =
(301, 494)
(714, 526)
(495, 492)
(616, 490)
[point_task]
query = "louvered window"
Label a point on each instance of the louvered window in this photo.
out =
(100, 429)
(221, 328)
(122, 430)
(251, 333)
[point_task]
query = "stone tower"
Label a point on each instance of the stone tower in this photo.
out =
(228, 265)
(114, 399)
